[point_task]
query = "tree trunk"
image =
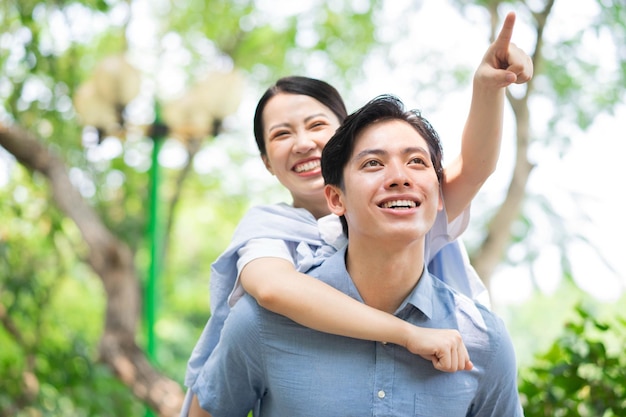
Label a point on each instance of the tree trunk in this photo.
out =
(113, 262)
(493, 248)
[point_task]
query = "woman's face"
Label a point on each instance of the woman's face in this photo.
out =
(296, 128)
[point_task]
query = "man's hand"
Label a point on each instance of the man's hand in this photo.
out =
(443, 347)
(504, 63)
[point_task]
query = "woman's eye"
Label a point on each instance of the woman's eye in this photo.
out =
(279, 134)
(371, 163)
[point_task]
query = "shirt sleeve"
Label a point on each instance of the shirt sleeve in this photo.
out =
(232, 379)
(451, 265)
(459, 225)
(443, 232)
(255, 249)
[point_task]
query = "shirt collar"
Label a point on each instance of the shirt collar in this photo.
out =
(333, 271)
(422, 296)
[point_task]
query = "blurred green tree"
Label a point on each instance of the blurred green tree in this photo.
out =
(582, 374)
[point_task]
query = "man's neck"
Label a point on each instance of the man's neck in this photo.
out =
(385, 275)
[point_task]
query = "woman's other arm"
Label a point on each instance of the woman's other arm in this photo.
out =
(503, 64)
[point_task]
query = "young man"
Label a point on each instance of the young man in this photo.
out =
(382, 169)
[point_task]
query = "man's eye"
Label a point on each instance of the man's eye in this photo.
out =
(371, 163)
(418, 160)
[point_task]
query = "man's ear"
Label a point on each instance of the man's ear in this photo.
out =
(267, 164)
(334, 199)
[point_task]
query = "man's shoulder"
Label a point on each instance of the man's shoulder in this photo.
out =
(491, 350)
(484, 333)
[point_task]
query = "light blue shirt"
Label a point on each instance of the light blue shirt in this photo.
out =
(296, 371)
(300, 231)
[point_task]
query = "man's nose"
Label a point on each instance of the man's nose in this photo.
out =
(397, 175)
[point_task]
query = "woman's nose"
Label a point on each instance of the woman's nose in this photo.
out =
(303, 143)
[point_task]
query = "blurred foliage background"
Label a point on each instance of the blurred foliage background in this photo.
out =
(53, 303)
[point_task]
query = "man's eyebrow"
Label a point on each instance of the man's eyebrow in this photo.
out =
(366, 152)
(381, 152)
(416, 149)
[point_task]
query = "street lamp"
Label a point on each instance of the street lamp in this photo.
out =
(198, 113)
(100, 102)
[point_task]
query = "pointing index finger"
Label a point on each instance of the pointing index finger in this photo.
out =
(506, 33)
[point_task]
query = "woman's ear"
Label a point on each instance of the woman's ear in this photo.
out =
(334, 199)
(441, 205)
(267, 164)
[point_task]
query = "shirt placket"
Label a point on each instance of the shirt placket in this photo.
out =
(383, 380)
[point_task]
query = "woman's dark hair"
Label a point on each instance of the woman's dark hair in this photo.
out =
(339, 148)
(317, 89)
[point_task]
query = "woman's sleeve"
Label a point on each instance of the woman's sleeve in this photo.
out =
(443, 232)
(256, 249)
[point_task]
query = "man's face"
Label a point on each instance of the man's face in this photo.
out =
(390, 186)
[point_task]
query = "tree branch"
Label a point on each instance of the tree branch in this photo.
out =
(493, 247)
(192, 146)
(113, 262)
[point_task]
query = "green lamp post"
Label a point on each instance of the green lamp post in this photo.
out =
(195, 115)
(100, 102)
(157, 133)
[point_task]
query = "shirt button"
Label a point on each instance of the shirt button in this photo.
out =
(381, 394)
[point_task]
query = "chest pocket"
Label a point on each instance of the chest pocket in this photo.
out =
(442, 404)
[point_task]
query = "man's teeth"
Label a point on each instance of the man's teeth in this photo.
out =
(399, 204)
(308, 166)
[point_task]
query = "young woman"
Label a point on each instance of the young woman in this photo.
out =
(273, 245)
